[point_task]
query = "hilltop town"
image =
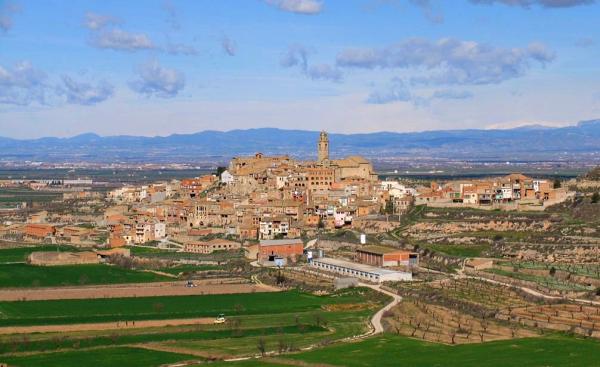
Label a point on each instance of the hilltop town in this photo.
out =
(284, 254)
(266, 198)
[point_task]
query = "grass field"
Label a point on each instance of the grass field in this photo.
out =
(24, 275)
(103, 357)
(19, 195)
(19, 254)
(12, 344)
(292, 318)
(153, 308)
(391, 350)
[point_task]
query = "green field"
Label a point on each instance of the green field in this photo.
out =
(12, 344)
(103, 357)
(392, 350)
(153, 308)
(19, 254)
(19, 195)
(24, 275)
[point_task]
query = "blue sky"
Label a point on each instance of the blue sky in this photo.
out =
(180, 66)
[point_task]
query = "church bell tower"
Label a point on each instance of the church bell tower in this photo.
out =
(323, 148)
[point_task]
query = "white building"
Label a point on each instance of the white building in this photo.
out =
(227, 178)
(160, 230)
(365, 272)
(398, 190)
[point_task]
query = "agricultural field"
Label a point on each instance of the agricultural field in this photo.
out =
(573, 318)
(189, 268)
(103, 357)
(20, 254)
(475, 296)
(456, 312)
(76, 311)
(458, 250)
(279, 322)
(548, 282)
(25, 275)
(388, 350)
(20, 195)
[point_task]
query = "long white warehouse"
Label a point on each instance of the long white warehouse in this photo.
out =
(361, 271)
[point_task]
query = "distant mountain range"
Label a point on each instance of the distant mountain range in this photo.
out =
(524, 143)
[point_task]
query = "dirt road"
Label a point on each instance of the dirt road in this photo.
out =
(376, 319)
(213, 286)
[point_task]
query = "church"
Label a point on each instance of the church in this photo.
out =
(350, 167)
(319, 175)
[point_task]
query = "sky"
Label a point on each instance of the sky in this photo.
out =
(160, 67)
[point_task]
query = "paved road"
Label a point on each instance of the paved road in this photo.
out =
(376, 319)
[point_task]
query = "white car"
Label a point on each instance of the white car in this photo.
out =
(220, 319)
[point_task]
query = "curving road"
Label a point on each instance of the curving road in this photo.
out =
(376, 319)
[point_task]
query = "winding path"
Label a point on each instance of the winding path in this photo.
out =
(376, 319)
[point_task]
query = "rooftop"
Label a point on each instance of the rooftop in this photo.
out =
(379, 249)
(291, 241)
(356, 266)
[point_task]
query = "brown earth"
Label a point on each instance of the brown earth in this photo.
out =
(103, 326)
(213, 286)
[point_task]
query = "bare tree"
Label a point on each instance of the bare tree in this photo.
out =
(261, 345)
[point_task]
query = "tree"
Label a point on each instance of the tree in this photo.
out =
(321, 224)
(557, 184)
(595, 197)
(220, 170)
(262, 346)
(389, 207)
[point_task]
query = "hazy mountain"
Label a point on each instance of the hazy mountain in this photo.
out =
(524, 143)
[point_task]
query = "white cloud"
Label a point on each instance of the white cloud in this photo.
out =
(449, 61)
(7, 10)
(85, 93)
(22, 85)
(451, 94)
(228, 46)
(324, 72)
(94, 21)
(298, 56)
(155, 80)
(298, 6)
(180, 49)
(396, 91)
(120, 40)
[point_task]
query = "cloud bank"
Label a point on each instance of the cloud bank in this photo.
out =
(307, 7)
(22, 84)
(83, 93)
(155, 80)
(449, 61)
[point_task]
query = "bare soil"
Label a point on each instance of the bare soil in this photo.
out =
(213, 286)
(103, 326)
